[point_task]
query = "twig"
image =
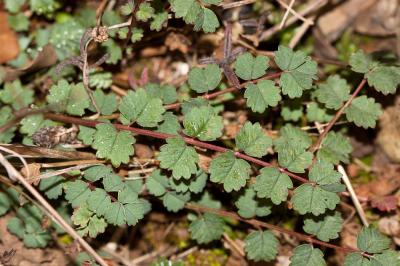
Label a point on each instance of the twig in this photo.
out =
(19, 157)
(337, 115)
(300, 33)
(300, 17)
(236, 4)
(60, 172)
(288, 10)
(158, 135)
(257, 224)
(12, 172)
(353, 195)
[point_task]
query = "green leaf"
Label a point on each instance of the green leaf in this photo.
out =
(113, 145)
(384, 79)
(18, 22)
(99, 201)
(335, 148)
(100, 80)
(179, 158)
(208, 201)
(166, 93)
(188, 105)
(140, 107)
(13, 6)
(312, 199)
(97, 172)
(315, 113)
(196, 184)
(68, 98)
(5, 203)
(44, 7)
(170, 124)
(6, 115)
(363, 112)
(292, 111)
(360, 62)
(248, 67)
(16, 95)
(76, 192)
(145, 12)
(128, 209)
(113, 49)
(86, 134)
(175, 201)
(249, 206)
(88, 222)
(273, 184)
(261, 95)
(307, 255)
(387, 257)
(189, 10)
(107, 103)
(299, 71)
(293, 137)
(32, 123)
(137, 34)
(356, 259)
(205, 79)
(203, 123)
(113, 183)
(207, 228)
(333, 92)
(52, 186)
(323, 174)
(325, 227)
(206, 20)
(159, 20)
(295, 159)
(261, 246)
(252, 140)
(212, 2)
(226, 169)
(157, 183)
(372, 241)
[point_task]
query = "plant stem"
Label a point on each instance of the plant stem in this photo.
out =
(158, 135)
(257, 224)
(337, 115)
(227, 90)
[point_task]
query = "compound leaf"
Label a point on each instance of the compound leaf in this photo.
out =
(230, 171)
(207, 228)
(356, 259)
(325, 227)
(99, 201)
(107, 103)
(174, 201)
(179, 158)
(333, 92)
(307, 255)
(261, 246)
(293, 137)
(248, 67)
(76, 192)
(32, 123)
(141, 108)
(261, 95)
(170, 124)
(252, 140)
(97, 172)
(363, 111)
(323, 174)
(52, 186)
(113, 145)
(16, 95)
(313, 199)
(86, 134)
(145, 12)
(203, 123)
(387, 257)
(299, 71)
(68, 98)
(113, 183)
(157, 183)
(360, 62)
(273, 184)
(295, 159)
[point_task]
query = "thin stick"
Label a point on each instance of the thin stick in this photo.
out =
(300, 17)
(257, 224)
(19, 157)
(353, 196)
(12, 172)
(288, 9)
(236, 4)
(158, 135)
(337, 115)
(60, 172)
(300, 33)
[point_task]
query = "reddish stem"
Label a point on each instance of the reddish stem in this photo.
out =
(257, 224)
(158, 135)
(337, 115)
(227, 90)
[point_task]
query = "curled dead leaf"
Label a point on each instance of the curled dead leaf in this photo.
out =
(9, 48)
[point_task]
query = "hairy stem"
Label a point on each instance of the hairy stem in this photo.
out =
(158, 135)
(256, 223)
(337, 115)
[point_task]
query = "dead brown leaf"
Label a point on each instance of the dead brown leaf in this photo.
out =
(9, 48)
